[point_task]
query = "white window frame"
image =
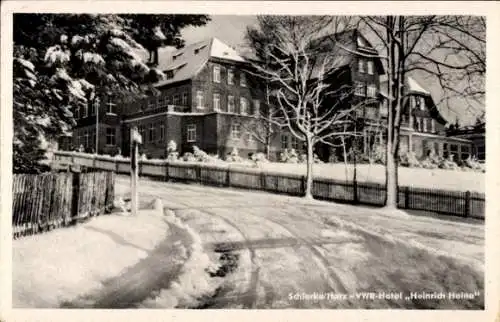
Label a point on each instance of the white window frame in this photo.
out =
(371, 90)
(110, 135)
(251, 137)
(422, 103)
(85, 110)
(176, 99)
(433, 125)
(361, 66)
(191, 133)
(284, 141)
(185, 99)
(424, 124)
(235, 131)
(231, 108)
(216, 101)
(256, 107)
(162, 132)
(200, 102)
(357, 87)
(109, 107)
(151, 133)
(230, 77)
(243, 106)
(370, 67)
(294, 142)
(216, 75)
(243, 79)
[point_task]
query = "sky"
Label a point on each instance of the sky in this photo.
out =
(231, 30)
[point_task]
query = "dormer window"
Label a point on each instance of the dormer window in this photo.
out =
(361, 66)
(197, 50)
(369, 65)
(170, 74)
(243, 80)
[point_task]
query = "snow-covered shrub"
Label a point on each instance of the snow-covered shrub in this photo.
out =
(409, 159)
(259, 157)
(172, 154)
(303, 158)
(333, 158)
(289, 156)
(143, 157)
(316, 159)
(472, 163)
(234, 156)
(188, 157)
(378, 154)
(449, 163)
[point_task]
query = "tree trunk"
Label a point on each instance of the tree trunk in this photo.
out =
(391, 178)
(309, 174)
(268, 149)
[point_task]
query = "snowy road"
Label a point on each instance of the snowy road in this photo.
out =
(285, 252)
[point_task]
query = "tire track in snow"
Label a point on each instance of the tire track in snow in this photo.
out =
(333, 277)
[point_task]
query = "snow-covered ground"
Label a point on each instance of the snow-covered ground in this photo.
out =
(413, 177)
(111, 261)
(283, 249)
(51, 268)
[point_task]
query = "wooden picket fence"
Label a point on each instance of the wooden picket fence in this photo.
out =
(455, 203)
(47, 201)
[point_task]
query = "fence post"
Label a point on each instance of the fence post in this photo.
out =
(467, 203)
(407, 197)
(166, 171)
(303, 185)
(198, 173)
(75, 195)
(228, 177)
(262, 180)
(355, 191)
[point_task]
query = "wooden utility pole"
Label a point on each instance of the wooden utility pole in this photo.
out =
(135, 140)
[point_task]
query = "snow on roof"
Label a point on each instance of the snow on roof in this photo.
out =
(415, 87)
(193, 57)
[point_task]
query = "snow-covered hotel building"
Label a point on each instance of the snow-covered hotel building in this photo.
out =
(208, 97)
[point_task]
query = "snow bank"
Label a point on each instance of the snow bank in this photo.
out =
(60, 265)
(194, 282)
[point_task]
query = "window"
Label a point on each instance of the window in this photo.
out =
(176, 99)
(161, 101)
(433, 126)
(86, 138)
(199, 100)
(230, 104)
(250, 137)
(424, 124)
(243, 106)
(230, 77)
(93, 138)
(191, 133)
(184, 99)
(371, 91)
(370, 67)
(445, 150)
(361, 66)
(142, 132)
(151, 103)
(110, 107)
(92, 107)
(256, 107)
(294, 142)
(243, 80)
(422, 103)
(418, 123)
(284, 141)
(76, 115)
(151, 136)
(110, 136)
(216, 102)
(170, 74)
(85, 110)
(235, 131)
(168, 100)
(359, 89)
(162, 132)
(216, 74)
(464, 152)
(417, 103)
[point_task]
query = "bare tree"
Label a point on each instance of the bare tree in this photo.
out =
(300, 73)
(454, 53)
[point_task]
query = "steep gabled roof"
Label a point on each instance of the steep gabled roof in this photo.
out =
(186, 63)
